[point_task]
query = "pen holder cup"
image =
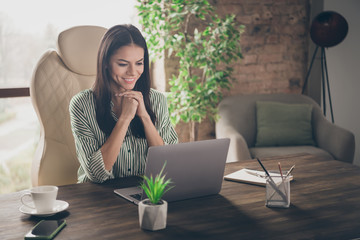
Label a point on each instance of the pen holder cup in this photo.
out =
(278, 192)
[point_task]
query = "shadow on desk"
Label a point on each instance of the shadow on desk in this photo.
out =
(309, 222)
(58, 216)
(209, 217)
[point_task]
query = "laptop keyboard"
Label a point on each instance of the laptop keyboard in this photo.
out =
(137, 196)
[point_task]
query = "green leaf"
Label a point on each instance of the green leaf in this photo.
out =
(155, 188)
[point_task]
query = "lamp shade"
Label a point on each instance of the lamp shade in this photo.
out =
(328, 29)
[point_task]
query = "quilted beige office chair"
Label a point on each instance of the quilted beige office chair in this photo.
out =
(58, 76)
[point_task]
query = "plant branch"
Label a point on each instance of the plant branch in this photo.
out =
(187, 21)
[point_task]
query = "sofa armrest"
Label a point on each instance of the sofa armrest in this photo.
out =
(238, 149)
(336, 140)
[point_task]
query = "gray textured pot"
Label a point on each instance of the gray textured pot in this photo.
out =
(152, 217)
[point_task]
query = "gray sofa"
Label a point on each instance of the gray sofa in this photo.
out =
(238, 122)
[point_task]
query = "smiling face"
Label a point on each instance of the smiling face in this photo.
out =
(126, 66)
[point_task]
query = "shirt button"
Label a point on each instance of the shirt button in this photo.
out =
(129, 150)
(129, 169)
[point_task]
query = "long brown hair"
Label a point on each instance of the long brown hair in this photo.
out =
(116, 37)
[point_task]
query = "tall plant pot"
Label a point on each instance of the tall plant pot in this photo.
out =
(152, 217)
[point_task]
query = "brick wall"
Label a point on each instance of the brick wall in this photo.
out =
(274, 46)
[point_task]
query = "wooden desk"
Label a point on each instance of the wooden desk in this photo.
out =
(325, 204)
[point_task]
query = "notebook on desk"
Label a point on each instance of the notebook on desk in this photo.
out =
(252, 176)
(195, 168)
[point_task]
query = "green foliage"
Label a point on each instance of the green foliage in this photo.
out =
(204, 53)
(15, 173)
(155, 188)
(5, 116)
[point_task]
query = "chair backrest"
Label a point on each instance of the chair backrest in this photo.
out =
(239, 111)
(58, 76)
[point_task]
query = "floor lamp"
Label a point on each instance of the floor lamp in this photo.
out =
(327, 30)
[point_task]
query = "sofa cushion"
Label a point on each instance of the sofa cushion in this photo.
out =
(262, 152)
(281, 124)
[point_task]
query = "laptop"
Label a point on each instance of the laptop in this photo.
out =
(196, 169)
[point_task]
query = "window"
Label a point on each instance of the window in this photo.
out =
(27, 30)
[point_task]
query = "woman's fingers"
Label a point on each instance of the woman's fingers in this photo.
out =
(129, 106)
(141, 110)
(132, 94)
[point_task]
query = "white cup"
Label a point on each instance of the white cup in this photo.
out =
(43, 198)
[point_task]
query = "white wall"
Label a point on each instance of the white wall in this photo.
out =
(343, 62)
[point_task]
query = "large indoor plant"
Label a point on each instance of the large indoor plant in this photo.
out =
(153, 210)
(203, 43)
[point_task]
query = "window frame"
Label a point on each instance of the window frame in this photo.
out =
(14, 92)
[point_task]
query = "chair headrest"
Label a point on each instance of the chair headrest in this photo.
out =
(78, 47)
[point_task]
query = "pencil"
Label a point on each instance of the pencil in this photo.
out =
(290, 170)
(282, 176)
(266, 172)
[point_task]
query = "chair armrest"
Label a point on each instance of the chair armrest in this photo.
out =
(336, 140)
(238, 149)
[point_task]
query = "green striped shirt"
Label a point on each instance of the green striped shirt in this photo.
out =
(89, 138)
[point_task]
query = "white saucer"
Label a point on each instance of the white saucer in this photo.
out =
(59, 207)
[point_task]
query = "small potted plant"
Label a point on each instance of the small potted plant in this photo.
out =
(153, 210)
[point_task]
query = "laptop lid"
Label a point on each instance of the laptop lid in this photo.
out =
(195, 168)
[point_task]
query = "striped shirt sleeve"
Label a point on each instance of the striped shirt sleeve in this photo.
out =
(87, 145)
(164, 126)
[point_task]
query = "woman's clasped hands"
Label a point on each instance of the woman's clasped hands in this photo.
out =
(130, 103)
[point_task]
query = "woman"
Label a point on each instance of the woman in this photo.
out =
(116, 121)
